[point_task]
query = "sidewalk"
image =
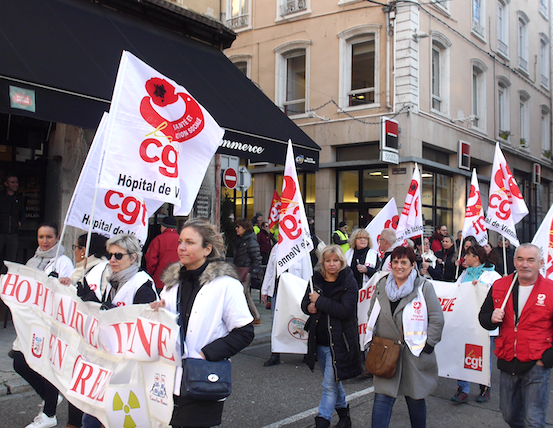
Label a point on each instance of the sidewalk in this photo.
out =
(12, 383)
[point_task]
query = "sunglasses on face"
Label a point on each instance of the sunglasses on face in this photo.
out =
(118, 256)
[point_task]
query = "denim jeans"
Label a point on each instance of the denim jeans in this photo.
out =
(382, 411)
(90, 421)
(524, 398)
(334, 396)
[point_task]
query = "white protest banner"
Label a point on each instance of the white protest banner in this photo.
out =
(506, 206)
(464, 351)
(117, 365)
(159, 139)
(288, 334)
(115, 212)
(364, 302)
(543, 239)
(410, 221)
(294, 238)
(387, 218)
(474, 224)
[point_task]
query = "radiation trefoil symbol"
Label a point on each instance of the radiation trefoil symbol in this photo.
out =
(133, 403)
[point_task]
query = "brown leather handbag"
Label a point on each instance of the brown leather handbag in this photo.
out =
(382, 357)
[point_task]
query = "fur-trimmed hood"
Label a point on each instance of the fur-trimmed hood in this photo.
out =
(215, 269)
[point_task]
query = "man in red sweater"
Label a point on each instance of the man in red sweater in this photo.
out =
(523, 347)
(162, 251)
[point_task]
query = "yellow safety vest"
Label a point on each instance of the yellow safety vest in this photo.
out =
(343, 237)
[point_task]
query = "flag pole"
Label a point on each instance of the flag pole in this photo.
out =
(509, 291)
(459, 258)
(504, 257)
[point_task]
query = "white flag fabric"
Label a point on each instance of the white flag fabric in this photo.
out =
(294, 238)
(464, 351)
(288, 334)
(117, 365)
(506, 206)
(159, 139)
(543, 239)
(387, 218)
(474, 224)
(115, 212)
(410, 221)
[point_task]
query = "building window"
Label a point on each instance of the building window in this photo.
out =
(545, 129)
(479, 17)
(288, 7)
(292, 65)
(437, 199)
(442, 5)
(440, 73)
(503, 108)
(479, 94)
(524, 119)
(238, 14)
(544, 8)
(503, 27)
(544, 60)
(242, 66)
(523, 42)
(359, 67)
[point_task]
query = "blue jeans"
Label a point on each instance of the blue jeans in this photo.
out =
(382, 411)
(334, 396)
(90, 421)
(524, 398)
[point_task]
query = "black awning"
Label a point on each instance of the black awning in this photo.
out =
(68, 52)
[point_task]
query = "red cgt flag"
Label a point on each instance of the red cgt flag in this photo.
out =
(274, 212)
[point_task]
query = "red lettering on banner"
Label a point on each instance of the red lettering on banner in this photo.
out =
(126, 215)
(164, 334)
(82, 377)
(504, 207)
(447, 304)
(122, 347)
(99, 386)
(39, 293)
(60, 315)
(363, 328)
(48, 293)
(366, 293)
(77, 320)
(169, 157)
(58, 350)
(289, 226)
(473, 357)
(93, 332)
(146, 344)
(27, 294)
(479, 225)
(9, 285)
(91, 381)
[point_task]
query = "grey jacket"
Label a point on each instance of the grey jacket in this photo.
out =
(415, 377)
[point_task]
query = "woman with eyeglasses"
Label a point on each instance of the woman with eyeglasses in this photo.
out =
(361, 257)
(45, 260)
(97, 254)
(125, 284)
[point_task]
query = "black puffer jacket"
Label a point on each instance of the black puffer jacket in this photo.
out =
(341, 308)
(246, 252)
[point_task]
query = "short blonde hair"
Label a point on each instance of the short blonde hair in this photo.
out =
(329, 251)
(359, 233)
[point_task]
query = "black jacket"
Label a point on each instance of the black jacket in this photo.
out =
(12, 212)
(246, 252)
(448, 267)
(341, 310)
(499, 266)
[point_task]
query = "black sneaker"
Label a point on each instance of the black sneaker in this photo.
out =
(484, 396)
(460, 397)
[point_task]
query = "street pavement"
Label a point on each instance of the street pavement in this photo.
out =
(286, 395)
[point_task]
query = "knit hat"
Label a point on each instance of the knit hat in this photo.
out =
(169, 222)
(342, 224)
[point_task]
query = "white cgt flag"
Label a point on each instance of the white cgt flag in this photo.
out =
(387, 218)
(506, 206)
(474, 224)
(294, 239)
(544, 240)
(159, 139)
(114, 212)
(410, 221)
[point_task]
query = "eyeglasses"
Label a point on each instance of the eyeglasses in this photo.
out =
(118, 256)
(362, 239)
(77, 246)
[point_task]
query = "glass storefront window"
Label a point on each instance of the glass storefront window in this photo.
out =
(348, 186)
(375, 185)
(437, 201)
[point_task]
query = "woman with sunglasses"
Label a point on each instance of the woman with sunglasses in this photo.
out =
(45, 260)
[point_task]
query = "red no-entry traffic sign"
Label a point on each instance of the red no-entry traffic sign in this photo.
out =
(230, 178)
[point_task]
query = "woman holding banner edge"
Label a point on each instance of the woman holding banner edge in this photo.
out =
(44, 260)
(213, 315)
(395, 301)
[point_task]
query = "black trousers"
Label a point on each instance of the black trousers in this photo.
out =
(45, 389)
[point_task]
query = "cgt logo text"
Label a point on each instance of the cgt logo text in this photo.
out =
(473, 357)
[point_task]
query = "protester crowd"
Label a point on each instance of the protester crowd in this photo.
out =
(187, 269)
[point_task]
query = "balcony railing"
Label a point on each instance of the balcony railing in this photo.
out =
(477, 27)
(292, 6)
(502, 47)
(543, 8)
(238, 22)
(522, 64)
(544, 81)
